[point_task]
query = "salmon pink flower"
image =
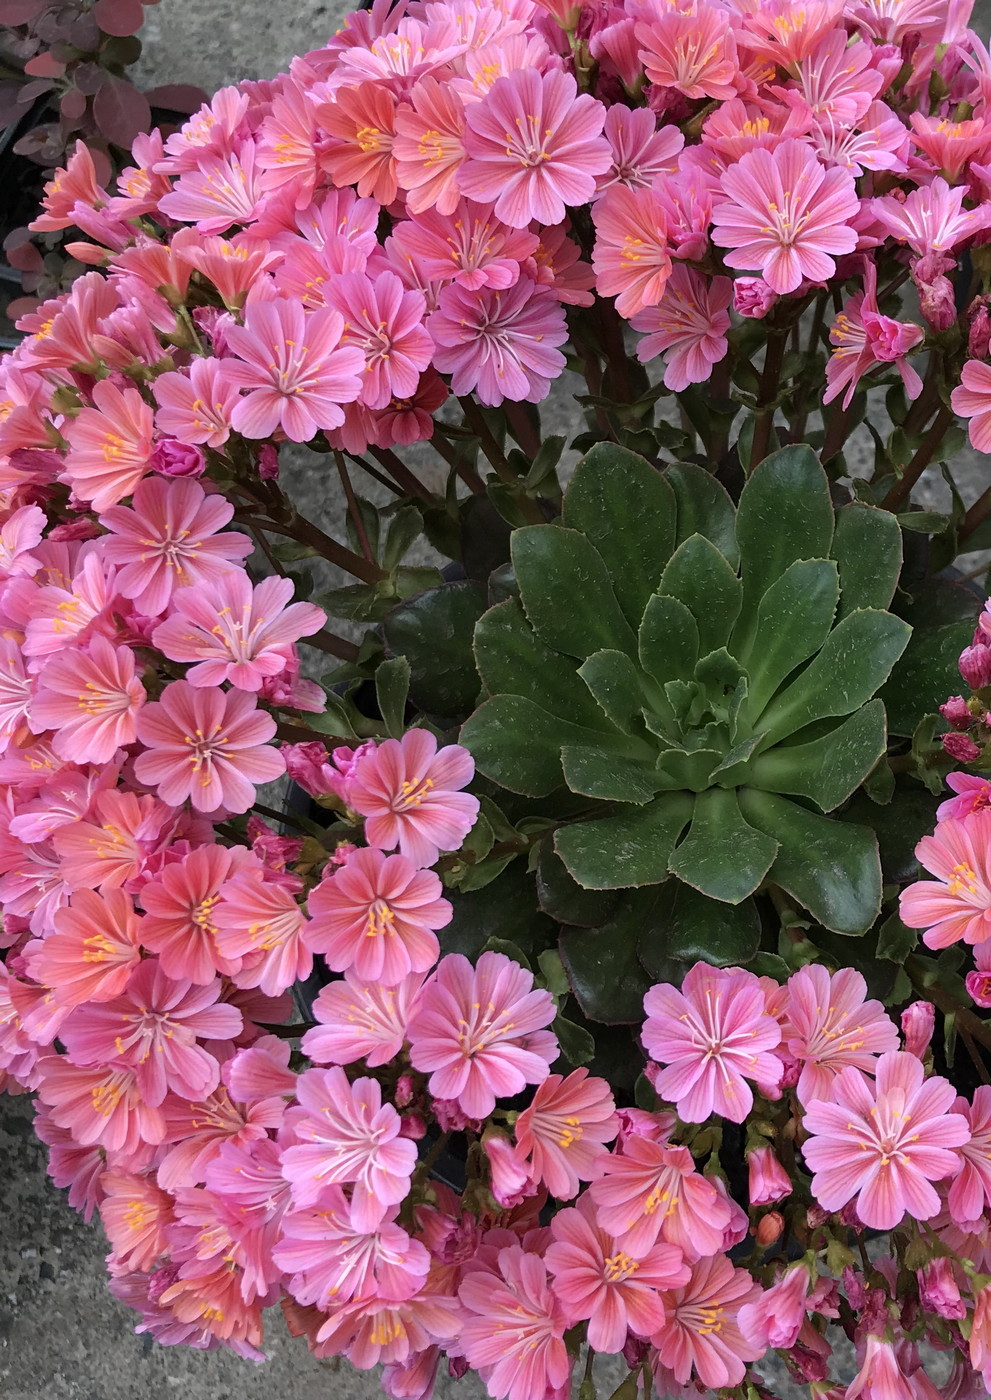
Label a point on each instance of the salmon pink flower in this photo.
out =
(135, 1213)
(973, 793)
(970, 1190)
(972, 399)
(776, 1317)
(295, 369)
(828, 1024)
(694, 53)
(429, 146)
(110, 445)
(651, 1191)
(196, 1133)
(714, 1035)
(361, 1021)
(835, 78)
(862, 339)
(499, 344)
(370, 1331)
(91, 699)
(259, 921)
(932, 218)
(220, 190)
(345, 1134)
(688, 327)
(784, 215)
(197, 406)
(75, 184)
(632, 259)
(100, 1104)
(470, 246)
(513, 1328)
(883, 1145)
(407, 791)
(479, 1032)
(384, 322)
(957, 904)
(881, 1374)
(208, 746)
(179, 914)
(564, 1129)
(95, 946)
(534, 147)
(361, 125)
(768, 1180)
(701, 1330)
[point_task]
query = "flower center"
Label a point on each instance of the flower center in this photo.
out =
(964, 879)
(619, 1267)
(380, 920)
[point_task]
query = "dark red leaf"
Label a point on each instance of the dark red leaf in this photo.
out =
(20, 11)
(26, 258)
(89, 78)
(84, 33)
(119, 16)
(73, 105)
(121, 111)
(16, 238)
(177, 97)
(32, 90)
(102, 163)
(21, 306)
(44, 65)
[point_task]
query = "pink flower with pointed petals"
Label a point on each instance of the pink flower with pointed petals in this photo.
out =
(259, 921)
(972, 399)
(882, 1145)
(862, 339)
(469, 246)
(197, 406)
(768, 1180)
(153, 1029)
(713, 1035)
(361, 1021)
(499, 344)
(829, 1024)
(970, 1190)
(688, 327)
(233, 631)
(785, 216)
(95, 946)
(361, 124)
(776, 1317)
(179, 914)
(479, 1032)
(957, 904)
(694, 53)
(880, 1376)
(110, 445)
(377, 915)
(407, 790)
(632, 259)
(513, 1328)
(594, 1279)
(210, 746)
(219, 191)
(135, 1213)
(932, 218)
(650, 1191)
(295, 369)
(114, 845)
(197, 1131)
(534, 147)
(345, 1134)
(74, 184)
(92, 699)
(564, 1129)
(384, 322)
(170, 539)
(100, 1104)
(429, 146)
(640, 150)
(701, 1330)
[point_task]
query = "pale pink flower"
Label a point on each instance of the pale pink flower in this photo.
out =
(378, 915)
(829, 1024)
(296, 370)
(701, 1330)
(91, 699)
(957, 904)
(752, 297)
(594, 1279)
(714, 1035)
(407, 791)
(219, 191)
(835, 79)
(767, 1177)
(261, 1071)
(688, 327)
(19, 534)
(640, 150)
(882, 1145)
(513, 1328)
(973, 793)
(233, 631)
(109, 445)
(260, 922)
(970, 1190)
(534, 147)
(632, 259)
(880, 1376)
(932, 218)
(16, 690)
(694, 53)
(470, 246)
(429, 146)
(100, 1104)
(972, 399)
(918, 1022)
(179, 914)
(480, 1032)
(980, 1335)
(784, 215)
(785, 36)
(95, 946)
(197, 406)
(361, 1021)
(862, 339)
(384, 322)
(71, 1165)
(651, 1191)
(344, 1134)
(135, 1213)
(69, 612)
(564, 1129)
(210, 746)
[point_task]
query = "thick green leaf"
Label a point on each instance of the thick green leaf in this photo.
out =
(563, 898)
(827, 769)
(925, 675)
(692, 928)
(605, 975)
(614, 681)
(722, 856)
(567, 592)
(392, 679)
(899, 826)
(895, 940)
(627, 509)
(631, 847)
(511, 659)
(701, 578)
(669, 640)
(867, 548)
(691, 769)
(704, 508)
(504, 910)
(577, 1044)
(854, 662)
(793, 620)
(518, 745)
(595, 772)
(434, 632)
(830, 867)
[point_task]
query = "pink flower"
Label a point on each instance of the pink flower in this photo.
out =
(776, 1317)
(974, 664)
(95, 946)
(361, 124)
(74, 184)
(932, 218)
(295, 369)
(259, 921)
(377, 915)
(479, 1032)
(509, 1180)
(693, 53)
(91, 698)
(972, 399)
(689, 324)
(219, 191)
(938, 1290)
(918, 1022)
(19, 534)
(135, 1213)
(513, 1328)
(752, 297)
(957, 904)
(384, 322)
(862, 339)
(651, 1191)
(640, 150)
(172, 458)
(109, 445)
(234, 632)
(346, 1134)
(361, 1021)
(701, 1330)
(408, 792)
(632, 259)
(470, 246)
(196, 407)
(533, 147)
(829, 1025)
(564, 1129)
(785, 215)
(429, 146)
(100, 1104)
(961, 748)
(113, 846)
(499, 344)
(594, 1279)
(208, 746)
(713, 1034)
(768, 1179)
(883, 1145)
(180, 905)
(970, 1190)
(880, 1376)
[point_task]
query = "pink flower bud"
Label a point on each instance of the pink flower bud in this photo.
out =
(308, 766)
(770, 1228)
(457, 1367)
(636, 1122)
(961, 748)
(413, 1125)
(856, 1291)
(268, 462)
(752, 297)
(955, 712)
(634, 1351)
(452, 1119)
(816, 1217)
(75, 530)
(979, 988)
(215, 324)
(979, 335)
(341, 852)
(768, 1179)
(938, 1290)
(405, 1091)
(936, 297)
(171, 458)
(511, 1182)
(975, 666)
(918, 1021)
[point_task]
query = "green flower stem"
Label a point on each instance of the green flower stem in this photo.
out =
(769, 383)
(353, 510)
(898, 497)
(497, 459)
(467, 473)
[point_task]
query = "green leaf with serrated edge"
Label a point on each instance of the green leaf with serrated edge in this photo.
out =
(785, 513)
(829, 768)
(518, 745)
(606, 978)
(434, 631)
(630, 847)
(668, 640)
(691, 927)
(925, 675)
(830, 867)
(704, 508)
(511, 659)
(614, 682)
(628, 511)
(681, 768)
(391, 691)
(895, 940)
(730, 772)
(854, 662)
(567, 592)
(867, 547)
(577, 1044)
(722, 856)
(719, 674)
(608, 776)
(700, 577)
(793, 620)
(560, 896)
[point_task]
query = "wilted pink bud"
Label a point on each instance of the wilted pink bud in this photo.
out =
(768, 1179)
(457, 1367)
(938, 1290)
(511, 1182)
(268, 462)
(75, 530)
(635, 1351)
(979, 336)
(890, 340)
(979, 988)
(975, 665)
(936, 296)
(770, 1228)
(955, 712)
(816, 1217)
(171, 458)
(342, 852)
(752, 297)
(405, 1091)
(637, 1122)
(451, 1118)
(413, 1125)
(806, 1365)
(308, 765)
(918, 1021)
(961, 748)
(856, 1290)
(215, 324)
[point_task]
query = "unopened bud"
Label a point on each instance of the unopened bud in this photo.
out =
(961, 748)
(975, 666)
(770, 1228)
